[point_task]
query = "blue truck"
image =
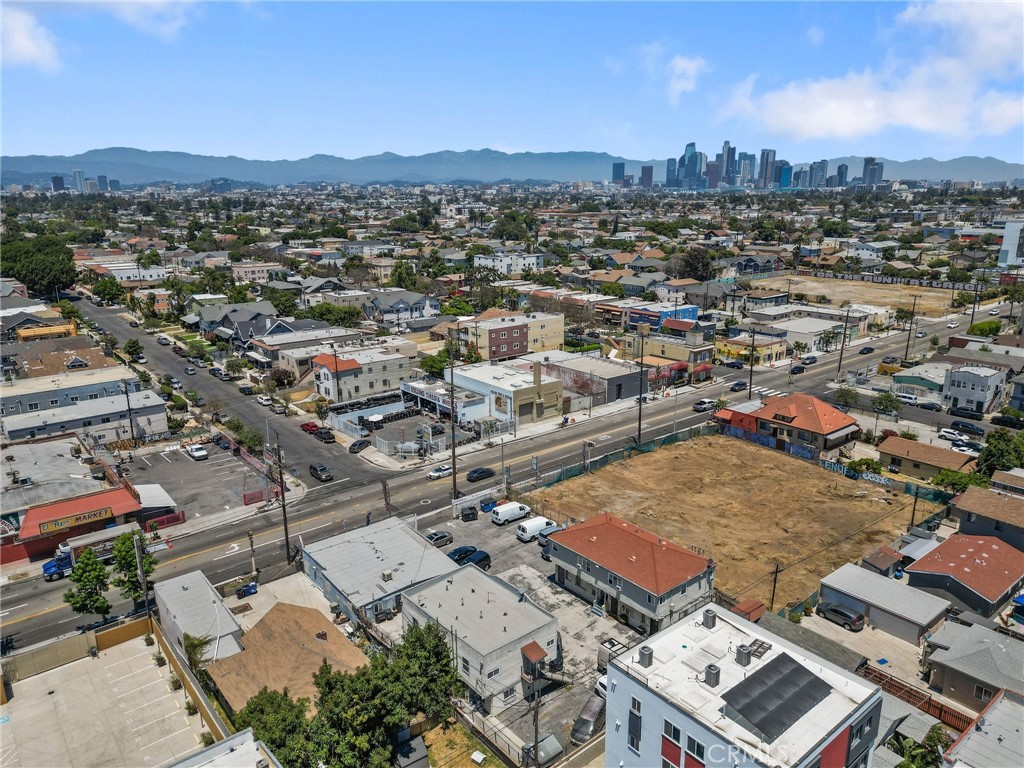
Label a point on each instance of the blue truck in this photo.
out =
(100, 542)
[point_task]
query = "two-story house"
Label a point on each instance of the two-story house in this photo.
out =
(796, 419)
(623, 570)
(393, 305)
(976, 387)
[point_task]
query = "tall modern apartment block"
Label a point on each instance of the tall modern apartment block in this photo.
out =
(79, 180)
(618, 172)
(647, 176)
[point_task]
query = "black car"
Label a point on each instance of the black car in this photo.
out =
(734, 364)
(134, 324)
(1008, 421)
(796, 369)
(461, 553)
(737, 386)
(967, 428)
(325, 436)
(971, 445)
(966, 413)
(359, 445)
(480, 559)
(865, 350)
(929, 405)
(478, 474)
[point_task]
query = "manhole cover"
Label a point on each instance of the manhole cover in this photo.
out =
(426, 501)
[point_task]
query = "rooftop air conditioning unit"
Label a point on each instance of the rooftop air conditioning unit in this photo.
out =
(387, 575)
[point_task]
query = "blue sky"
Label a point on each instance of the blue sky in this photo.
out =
(272, 80)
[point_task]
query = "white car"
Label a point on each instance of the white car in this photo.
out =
(437, 473)
(263, 400)
(951, 434)
(965, 450)
(601, 688)
(921, 334)
(952, 324)
(197, 452)
(993, 311)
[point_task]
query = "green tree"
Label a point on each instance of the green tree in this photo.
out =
(69, 311)
(132, 347)
(108, 341)
(195, 647)
(195, 348)
(799, 348)
(828, 339)
(279, 722)
(648, 296)
(886, 402)
(963, 298)
(904, 315)
(613, 289)
(1002, 451)
(431, 680)
(457, 306)
(403, 275)
(958, 482)
(234, 366)
(89, 576)
(435, 365)
(985, 328)
(125, 567)
(108, 289)
(697, 264)
(847, 396)
(44, 264)
(283, 301)
(341, 317)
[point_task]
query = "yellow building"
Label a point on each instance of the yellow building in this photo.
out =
(766, 349)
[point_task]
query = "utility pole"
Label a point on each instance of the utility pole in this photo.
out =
(451, 406)
(775, 582)
(387, 497)
(913, 510)
(640, 329)
(974, 306)
(128, 401)
(252, 554)
(750, 381)
(536, 720)
(842, 346)
(140, 551)
(282, 489)
(910, 327)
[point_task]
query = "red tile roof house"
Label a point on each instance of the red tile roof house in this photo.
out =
(632, 574)
(796, 420)
(980, 573)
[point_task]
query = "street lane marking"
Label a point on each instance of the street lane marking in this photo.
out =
(13, 609)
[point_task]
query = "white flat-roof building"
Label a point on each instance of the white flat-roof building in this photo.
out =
(189, 605)
(511, 393)
(718, 690)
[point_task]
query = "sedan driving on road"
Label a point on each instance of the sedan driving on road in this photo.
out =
(359, 446)
(866, 350)
(737, 386)
(437, 473)
(734, 364)
(440, 538)
(952, 324)
(993, 311)
(321, 473)
(797, 369)
(478, 474)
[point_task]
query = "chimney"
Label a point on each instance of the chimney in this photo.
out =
(536, 375)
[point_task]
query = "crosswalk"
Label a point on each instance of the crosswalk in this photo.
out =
(765, 392)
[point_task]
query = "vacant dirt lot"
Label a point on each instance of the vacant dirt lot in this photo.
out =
(747, 507)
(932, 302)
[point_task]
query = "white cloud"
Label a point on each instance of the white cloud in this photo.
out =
(683, 73)
(160, 18)
(950, 89)
(816, 35)
(26, 42)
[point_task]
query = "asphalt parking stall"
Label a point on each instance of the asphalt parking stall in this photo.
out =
(212, 484)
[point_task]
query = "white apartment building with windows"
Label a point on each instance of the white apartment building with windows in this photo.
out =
(976, 387)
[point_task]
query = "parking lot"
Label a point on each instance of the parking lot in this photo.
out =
(405, 432)
(196, 486)
(521, 565)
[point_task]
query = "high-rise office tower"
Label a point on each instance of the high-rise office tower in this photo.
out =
(79, 180)
(714, 174)
(57, 184)
(727, 149)
(618, 172)
(841, 174)
(766, 169)
(745, 160)
(700, 160)
(876, 173)
(819, 172)
(782, 174)
(647, 176)
(671, 178)
(102, 183)
(690, 151)
(868, 162)
(91, 186)
(115, 185)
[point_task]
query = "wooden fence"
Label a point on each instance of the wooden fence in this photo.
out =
(954, 718)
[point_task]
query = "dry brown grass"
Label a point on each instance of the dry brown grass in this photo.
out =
(931, 302)
(451, 747)
(745, 506)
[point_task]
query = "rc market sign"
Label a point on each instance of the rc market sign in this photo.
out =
(53, 526)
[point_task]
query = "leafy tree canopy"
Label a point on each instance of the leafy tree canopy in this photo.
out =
(44, 264)
(90, 579)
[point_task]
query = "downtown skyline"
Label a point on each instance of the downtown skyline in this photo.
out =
(290, 80)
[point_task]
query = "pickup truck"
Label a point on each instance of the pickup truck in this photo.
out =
(100, 542)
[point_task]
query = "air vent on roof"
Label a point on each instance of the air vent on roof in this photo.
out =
(710, 617)
(387, 575)
(743, 655)
(712, 674)
(646, 655)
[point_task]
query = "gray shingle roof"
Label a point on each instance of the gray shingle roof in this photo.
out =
(987, 656)
(887, 594)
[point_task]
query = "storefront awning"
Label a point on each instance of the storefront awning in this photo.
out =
(703, 368)
(63, 517)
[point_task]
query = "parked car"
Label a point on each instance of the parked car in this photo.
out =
(321, 473)
(951, 434)
(263, 400)
(1008, 421)
(141, 359)
(972, 445)
(528, 530)
(797, 369)
(245, 389)
(135, 323)
(478, 474)
(435, 430)
(179, 351)
(309, 427)
(966, 413)
(359, 445)
(964, 450)
(952, 324)
(197, 452)
(223, 444)
(278, 408)
(929, 405)
(437, 473)
(325, 436)
(545, 553)
(734, 364)
(542, 537)
(601, 686)
(738, 386)
(846, 617)
(967, 428)
(461, 553)
(480, 559)
(190, 371)
(440, 538)
(590, 720)
(163, 341)
(865, 350)
(704, 404)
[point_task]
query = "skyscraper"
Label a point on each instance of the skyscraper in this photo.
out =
(783, 174)
(866, 173)
(101, 182)
(647, 176)
(745, 164)
(766, 170)
(79, 180)
(57, 183)
(618, 173)
(115, 185)
(671, 177)
(841, 174)
(714, 174)
(819, 172)
(876, 174)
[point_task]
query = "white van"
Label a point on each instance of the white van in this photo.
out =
(508, 512)
(903, 397)
(528, 529)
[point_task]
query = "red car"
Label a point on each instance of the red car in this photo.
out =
(309, 427)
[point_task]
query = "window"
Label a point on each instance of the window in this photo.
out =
(387, 382)
(87, 423)
(105, 420)
(614, 580)
(33, 406)
(550, 643)
(635, 705)
(509, 694)
(493, 673)
(504, 347)
(515, 333)
(695, 748)
(94, 396)
(896, 461)
(634, 729)
(971, 517)
(54, 403)
(504, 334)
(802, 435)
(982, 693)
(672, 733)
(999, 525)
(465, 665)
(661, 600)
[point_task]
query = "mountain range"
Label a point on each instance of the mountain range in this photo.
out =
(137, 166)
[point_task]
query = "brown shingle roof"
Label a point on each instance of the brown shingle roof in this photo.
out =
(983, 564)
(631, 552)
(922, 453)
(283, 651)
(981, 501)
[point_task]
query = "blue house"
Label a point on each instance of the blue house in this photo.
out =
(658, 313)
